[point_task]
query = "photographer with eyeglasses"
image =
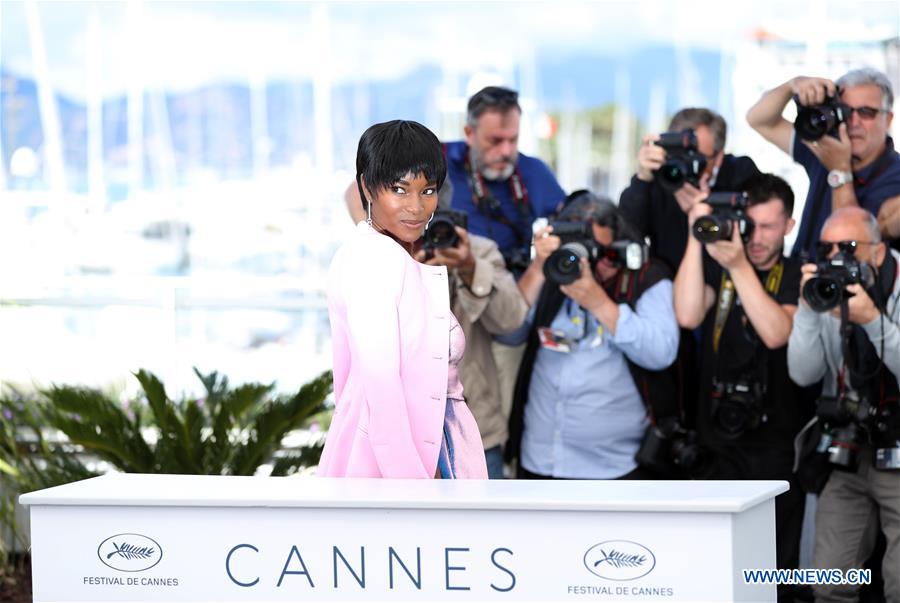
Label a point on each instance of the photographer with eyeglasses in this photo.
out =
(840, 137)
(847, 331)
(736, 283)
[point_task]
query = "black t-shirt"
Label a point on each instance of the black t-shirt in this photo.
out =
(767, 451)
(657, 215)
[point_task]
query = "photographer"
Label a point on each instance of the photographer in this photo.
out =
(577, 411)
(841, 139)
(847, 331)
(659, 212)
(486, 301)
(745, 294)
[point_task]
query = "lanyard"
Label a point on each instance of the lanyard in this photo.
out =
(490, 207)
(727, 294)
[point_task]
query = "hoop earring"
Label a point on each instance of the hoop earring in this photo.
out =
(369, 213)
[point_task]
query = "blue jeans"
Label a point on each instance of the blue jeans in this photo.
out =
(494, 458)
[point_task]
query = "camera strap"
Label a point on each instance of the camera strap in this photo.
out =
(727, 294)
(865, 368)
(488, 205)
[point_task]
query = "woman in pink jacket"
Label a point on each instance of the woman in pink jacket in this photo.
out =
(399, 410)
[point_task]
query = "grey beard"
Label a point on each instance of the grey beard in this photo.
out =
(498, 175)
(490, 173)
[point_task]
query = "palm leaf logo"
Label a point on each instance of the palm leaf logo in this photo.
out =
(620, 560)
(129, 551)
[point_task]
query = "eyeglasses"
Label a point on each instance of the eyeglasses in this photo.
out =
(824, 248)
(866, 113)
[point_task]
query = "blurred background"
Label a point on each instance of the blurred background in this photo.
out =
(171, 173)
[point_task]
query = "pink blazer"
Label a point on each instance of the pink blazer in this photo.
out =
(390, 333)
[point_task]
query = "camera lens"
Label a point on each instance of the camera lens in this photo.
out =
(813, 123)
(822, 293)
(712, 228)
(731, 419)
(441, 234)
(564, 265)
(671, 174)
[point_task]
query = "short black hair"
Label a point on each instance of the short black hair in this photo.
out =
(389, 151)
(764, 187)
(491, 98)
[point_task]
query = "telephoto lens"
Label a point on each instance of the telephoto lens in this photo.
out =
(823, 293)
(683, 164)
(728, 212)
(712, 228)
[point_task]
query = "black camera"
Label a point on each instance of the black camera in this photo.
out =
(815, 121)
(684, 163)
(736, 407)
(563, 266)
(669, 449)
(729, 210)
(441, 232)
(849, 420)
(826, 290)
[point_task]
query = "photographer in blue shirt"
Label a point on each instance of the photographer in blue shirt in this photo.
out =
(841, 140)
(577, 412)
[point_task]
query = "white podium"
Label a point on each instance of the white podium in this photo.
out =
(204, 538)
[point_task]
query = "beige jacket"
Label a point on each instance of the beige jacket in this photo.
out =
(492, 306)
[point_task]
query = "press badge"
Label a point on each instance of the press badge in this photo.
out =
(554, 340)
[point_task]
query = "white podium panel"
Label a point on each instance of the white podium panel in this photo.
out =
(229, 539)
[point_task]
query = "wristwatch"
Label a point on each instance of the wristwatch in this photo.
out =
(838, 178)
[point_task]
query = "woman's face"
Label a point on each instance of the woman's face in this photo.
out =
(403, 208)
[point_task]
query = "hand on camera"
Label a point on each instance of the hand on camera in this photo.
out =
(860, 307)
(650, 158)
(689, 195)
(729, 254)
(454, 258)
(586, 291)
(834, 154)
(544, 244)
(812, 90)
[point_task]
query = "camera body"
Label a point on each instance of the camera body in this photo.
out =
(669, 449)
(737, 407)
(815, 121)
(729, 211)
(684, 163)
(563, 266)
(826, 290)
(441, 232)
(850, 420)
